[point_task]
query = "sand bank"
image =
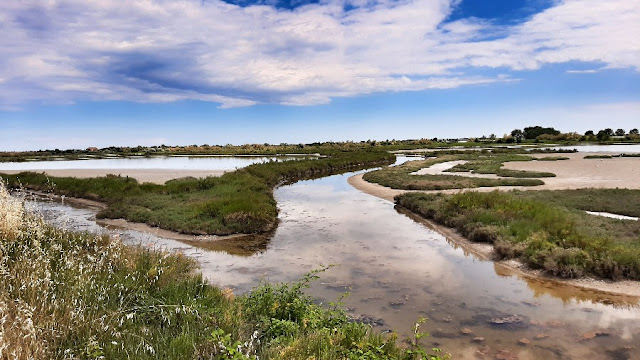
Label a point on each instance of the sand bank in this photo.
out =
(156, 176)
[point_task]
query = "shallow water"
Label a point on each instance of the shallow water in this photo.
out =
(397, 270)
(153, 162)
(613, 216)
(615, 148)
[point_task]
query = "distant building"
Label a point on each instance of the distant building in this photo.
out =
(92, 149)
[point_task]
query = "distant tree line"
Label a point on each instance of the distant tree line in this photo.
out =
(533, 133)
(608, 133)
(539, 133)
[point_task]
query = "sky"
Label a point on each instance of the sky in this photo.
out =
(83, 73)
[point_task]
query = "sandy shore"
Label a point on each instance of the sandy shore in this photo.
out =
(574, 173)
(578, 172)
(156, 176)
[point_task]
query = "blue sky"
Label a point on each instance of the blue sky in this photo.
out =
(80, 73)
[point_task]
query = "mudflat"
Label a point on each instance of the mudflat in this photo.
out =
(578, 172)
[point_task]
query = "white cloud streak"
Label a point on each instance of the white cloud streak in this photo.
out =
(168, 50)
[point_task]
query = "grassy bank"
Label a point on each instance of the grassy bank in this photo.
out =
(237, 202)
(400, 177)
(80, 296)
(546, 229)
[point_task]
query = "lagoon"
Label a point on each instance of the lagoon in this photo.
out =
(152, 162)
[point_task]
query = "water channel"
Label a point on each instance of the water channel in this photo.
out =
(397, 270)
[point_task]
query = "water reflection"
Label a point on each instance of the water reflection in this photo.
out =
(614, 148)
(152, 162)
(397, 270)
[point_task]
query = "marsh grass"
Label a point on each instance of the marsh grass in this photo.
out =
(67, 295)
(400, 177)
(598, 156)
(492, 164)
(552, 158)
(547, 229)
(610, 156)
(236, 202)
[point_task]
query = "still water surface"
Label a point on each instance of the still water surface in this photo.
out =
(397, 270)
(153, 162)
(615, 148)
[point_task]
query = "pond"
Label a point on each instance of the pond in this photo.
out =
(151, 162)
(396, 270)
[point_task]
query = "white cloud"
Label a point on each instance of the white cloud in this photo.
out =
(162, 51)
(587, 71)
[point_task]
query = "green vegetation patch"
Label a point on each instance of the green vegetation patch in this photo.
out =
(546, 229)
(492, 164)
(237, 202)
(610, 156)
(552, 158)
(598, 157)
(400, 177)
(68, 295)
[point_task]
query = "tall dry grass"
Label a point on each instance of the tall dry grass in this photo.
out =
(45, 276)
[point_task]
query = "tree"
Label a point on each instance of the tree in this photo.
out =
(608, 131)
(603, 135)
(589, 133)
(533, 132)
(620, 132)
(517, 135)
(633, 132)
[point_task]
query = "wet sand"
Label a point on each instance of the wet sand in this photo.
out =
(156, 176)
(578, 172)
